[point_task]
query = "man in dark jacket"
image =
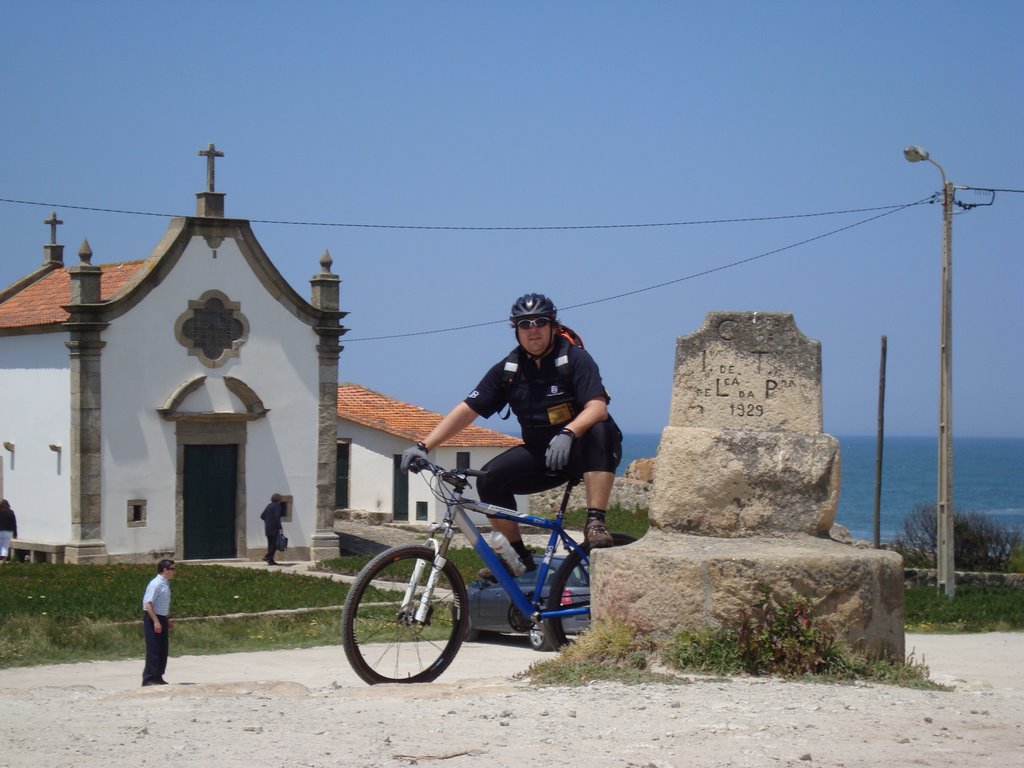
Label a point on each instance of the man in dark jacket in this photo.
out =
(271, 518)
(567, 430)
(8, 529)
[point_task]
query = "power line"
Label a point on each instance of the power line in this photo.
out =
(695, 222)
(692, 276)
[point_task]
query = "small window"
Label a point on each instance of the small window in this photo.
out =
(462, 460)
(286, 502)
(136, 513)
(421, 510)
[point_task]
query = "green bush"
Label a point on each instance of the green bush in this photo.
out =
(784, 638)
(1016, 564)
(980, 543)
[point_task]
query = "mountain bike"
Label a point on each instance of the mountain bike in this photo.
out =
(406, 613)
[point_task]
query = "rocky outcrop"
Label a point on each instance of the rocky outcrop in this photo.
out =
(745, 489)
(632, 491)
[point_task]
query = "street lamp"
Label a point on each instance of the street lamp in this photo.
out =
(944, 508)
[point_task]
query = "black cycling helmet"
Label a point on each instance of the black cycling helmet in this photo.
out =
(533, 305)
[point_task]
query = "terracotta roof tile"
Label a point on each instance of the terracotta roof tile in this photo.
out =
(41, 303)
(372, 409)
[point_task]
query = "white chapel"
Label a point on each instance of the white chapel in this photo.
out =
(149, 407)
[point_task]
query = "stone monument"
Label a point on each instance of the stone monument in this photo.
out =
(745, 493)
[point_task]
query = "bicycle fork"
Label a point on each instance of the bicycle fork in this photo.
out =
(423, 608)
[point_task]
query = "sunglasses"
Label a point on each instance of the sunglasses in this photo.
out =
(533, 322)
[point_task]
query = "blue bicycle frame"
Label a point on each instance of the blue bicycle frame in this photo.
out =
(459, 508)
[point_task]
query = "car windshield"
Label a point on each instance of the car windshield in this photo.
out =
(577, 578)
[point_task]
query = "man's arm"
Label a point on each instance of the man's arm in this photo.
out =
(152, 615)
(458, 418)
(594, 412)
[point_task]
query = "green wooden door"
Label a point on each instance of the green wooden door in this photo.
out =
(209, 483)
(399, 491)
(341, 479)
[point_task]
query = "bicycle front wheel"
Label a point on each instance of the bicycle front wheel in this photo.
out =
(384, 639)
(570, 588)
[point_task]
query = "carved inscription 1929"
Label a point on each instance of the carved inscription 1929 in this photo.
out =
(748, 370)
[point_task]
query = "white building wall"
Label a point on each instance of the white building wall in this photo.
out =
(144, 364)
(371, 471)
(35, 406)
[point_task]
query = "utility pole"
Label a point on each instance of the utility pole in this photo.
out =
(945, 565)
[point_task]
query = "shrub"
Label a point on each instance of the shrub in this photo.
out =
(784, 638)
(980, 543)
(1016, 564)
(607, 650)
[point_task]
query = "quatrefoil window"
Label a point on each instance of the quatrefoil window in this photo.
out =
(212, 329)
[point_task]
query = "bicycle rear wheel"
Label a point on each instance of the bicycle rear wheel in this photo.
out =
(383, 640)
(570, 588)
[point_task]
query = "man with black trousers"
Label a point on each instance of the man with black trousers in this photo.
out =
(271, 517)
(156, 609)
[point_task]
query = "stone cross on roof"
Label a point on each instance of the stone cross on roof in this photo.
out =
(210, 153)
(53, 221)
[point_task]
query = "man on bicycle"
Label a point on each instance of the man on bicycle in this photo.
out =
(557, 395)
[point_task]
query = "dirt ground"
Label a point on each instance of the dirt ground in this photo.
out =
(305, 708)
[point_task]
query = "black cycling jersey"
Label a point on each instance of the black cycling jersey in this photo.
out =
(542, 400)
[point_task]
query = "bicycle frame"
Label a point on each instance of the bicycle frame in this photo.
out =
(458, 514)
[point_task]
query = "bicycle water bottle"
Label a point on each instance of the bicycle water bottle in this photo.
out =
(503, 549)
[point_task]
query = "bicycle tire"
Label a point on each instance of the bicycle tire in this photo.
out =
(382, 642)
(554, 629)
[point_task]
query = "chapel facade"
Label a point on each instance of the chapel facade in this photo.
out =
(152, 407)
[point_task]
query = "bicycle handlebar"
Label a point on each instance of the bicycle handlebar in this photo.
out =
(459, 478)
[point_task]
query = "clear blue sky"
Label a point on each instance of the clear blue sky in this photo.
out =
(486, 114)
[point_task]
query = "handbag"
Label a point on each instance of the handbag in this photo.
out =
(282, 542)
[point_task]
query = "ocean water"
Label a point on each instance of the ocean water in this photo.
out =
(988, 477)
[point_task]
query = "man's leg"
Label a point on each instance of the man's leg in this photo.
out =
(598, 486)
(517, 470)
(164, 642)
(601, 453)
(151, 671)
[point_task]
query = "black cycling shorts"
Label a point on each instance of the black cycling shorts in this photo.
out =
(521, 470)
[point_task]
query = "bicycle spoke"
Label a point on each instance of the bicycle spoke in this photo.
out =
(382, 638)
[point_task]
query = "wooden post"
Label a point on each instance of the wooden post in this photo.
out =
(878, 447)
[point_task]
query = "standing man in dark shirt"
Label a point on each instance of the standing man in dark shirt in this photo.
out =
(555, 390)
(271, 517)
(8, 529)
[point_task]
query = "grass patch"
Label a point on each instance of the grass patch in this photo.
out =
(607, 651)
(54, 613)
(31, 640)
(113, 593)
(611, 651)
(973, 609)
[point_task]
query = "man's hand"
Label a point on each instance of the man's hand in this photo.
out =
(418, 451)
(557, 454)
